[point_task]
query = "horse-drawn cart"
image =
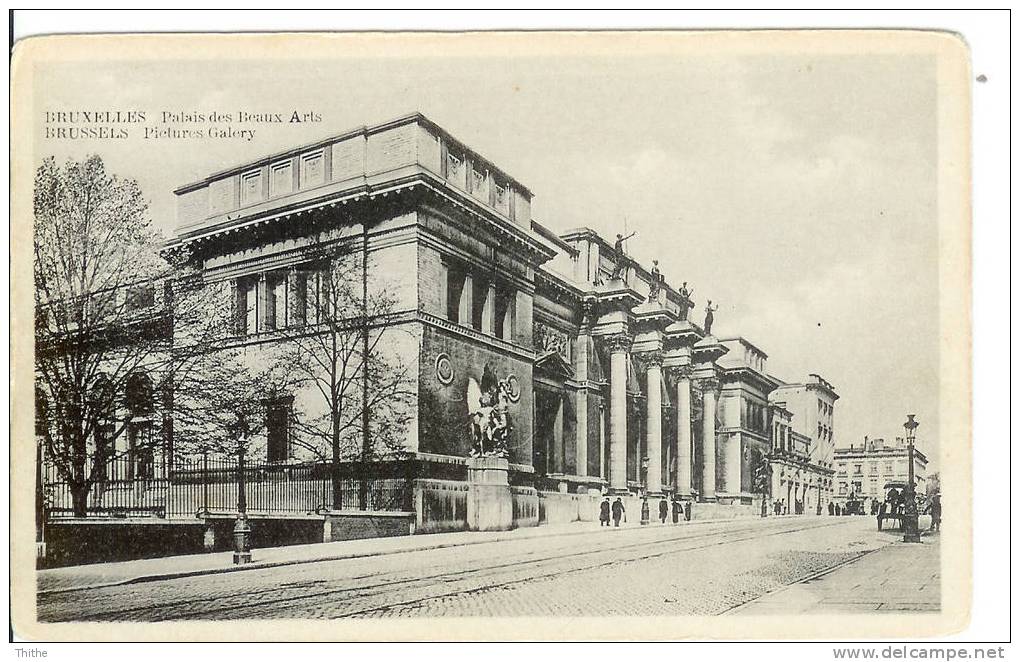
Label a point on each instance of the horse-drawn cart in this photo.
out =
(893, 506)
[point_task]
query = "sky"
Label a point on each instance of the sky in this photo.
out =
(797, 191)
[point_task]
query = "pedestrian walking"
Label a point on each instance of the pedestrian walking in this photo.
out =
(663, 510)
(618, 511)
(689, 510)
(832, 509)
(646, 515)
(936, 512)
(604, 508)
(677, 511)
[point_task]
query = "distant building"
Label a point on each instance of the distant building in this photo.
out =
(864, 469)
(808, 448)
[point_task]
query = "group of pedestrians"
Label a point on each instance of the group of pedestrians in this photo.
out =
(618, 512)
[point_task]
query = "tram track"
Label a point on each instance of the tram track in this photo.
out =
(385, 590)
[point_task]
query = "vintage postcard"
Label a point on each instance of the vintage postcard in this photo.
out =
(420, 336)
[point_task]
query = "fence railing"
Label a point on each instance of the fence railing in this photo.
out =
(194, 487)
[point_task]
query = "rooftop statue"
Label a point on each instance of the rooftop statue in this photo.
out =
(657, 282)
(685, 305)
(619, 255)
(710, 317)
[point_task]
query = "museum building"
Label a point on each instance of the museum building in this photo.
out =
(609, 386)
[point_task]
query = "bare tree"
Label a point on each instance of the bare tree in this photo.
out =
(362, 394)
(106, 305)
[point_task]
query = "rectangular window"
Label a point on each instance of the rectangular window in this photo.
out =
(140, 441)
(455, 170)
(299, 300)
(247, 305)
(104, 449)
(276, 301)
(454, 290)
(139, 297)
(479, 189)
(313, 294)
(501, 198)
(278, 413)
(505, 314)
(251, 187)
(480, 290)
(313, 171)
(281, 179)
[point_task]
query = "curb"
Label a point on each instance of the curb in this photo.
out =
(358, 555)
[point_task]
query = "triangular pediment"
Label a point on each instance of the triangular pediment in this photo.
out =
(551, 363)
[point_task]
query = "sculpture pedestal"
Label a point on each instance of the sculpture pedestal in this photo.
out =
(489, 503)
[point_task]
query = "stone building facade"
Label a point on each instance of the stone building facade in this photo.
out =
(864, 469)
(612, 387)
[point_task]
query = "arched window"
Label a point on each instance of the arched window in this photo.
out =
(104, 405)
(138, 395)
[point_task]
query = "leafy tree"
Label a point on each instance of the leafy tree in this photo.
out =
(106, 304)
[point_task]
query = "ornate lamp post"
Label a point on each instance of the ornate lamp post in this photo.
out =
(645, 510)
(910, 530)
(242, 532)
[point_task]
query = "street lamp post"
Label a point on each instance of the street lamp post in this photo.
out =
(242, 531)
(910, 528)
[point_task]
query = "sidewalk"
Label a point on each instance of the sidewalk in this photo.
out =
(126, 572)
(898, 577)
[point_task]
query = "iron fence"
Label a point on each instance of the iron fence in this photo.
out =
(195, 487)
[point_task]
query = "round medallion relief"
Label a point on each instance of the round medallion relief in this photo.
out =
(444, 369)
(513, 388)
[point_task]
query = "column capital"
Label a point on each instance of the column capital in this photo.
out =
(710, 383)
(589, 311)
(619, 342)
(677, 372)
(650, 359)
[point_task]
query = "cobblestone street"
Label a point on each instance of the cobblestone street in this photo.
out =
(659, 570)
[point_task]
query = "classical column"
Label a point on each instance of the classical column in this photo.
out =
(581, 409)
(709, 387)
(581, 433)
(556, 466)
(619, 349)
(653, 429)
(683, 430)
(489, 311)
(465, 309)
(732, 468)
